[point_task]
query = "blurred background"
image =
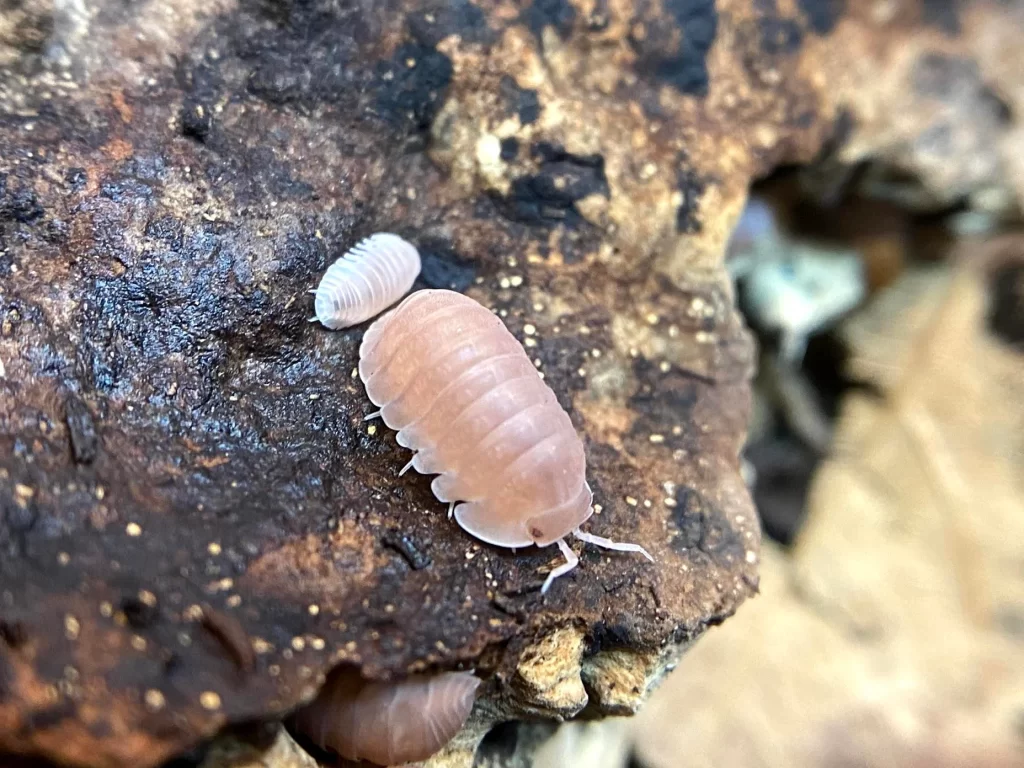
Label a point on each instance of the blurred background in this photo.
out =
(886, 459)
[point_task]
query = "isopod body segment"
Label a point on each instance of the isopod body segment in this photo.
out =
(368, 279)
(462, 393)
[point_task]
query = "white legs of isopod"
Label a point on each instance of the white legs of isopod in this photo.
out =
(601, 541)
(571, 560)
(371, 416)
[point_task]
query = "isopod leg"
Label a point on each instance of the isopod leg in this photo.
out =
(571, 561)
(451, 510)
(407, 467)
(373, 415)
(601, 541)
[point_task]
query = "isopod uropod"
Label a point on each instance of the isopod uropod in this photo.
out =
(368, 279)
(388, 723)
(462, 393)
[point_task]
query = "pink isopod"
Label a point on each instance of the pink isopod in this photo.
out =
(369, 278)
(462, 393)
(388, 723)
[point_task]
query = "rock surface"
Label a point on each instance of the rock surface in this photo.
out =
(197, 524)
(270, 747)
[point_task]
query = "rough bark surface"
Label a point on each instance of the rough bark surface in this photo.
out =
(197, 524)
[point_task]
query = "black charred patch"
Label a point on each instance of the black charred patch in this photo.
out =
(454, 17)
(780, 36)
(309, 58)
(822, 15)
(944, 15)
(76, 178)
(301, 256)
(520, 101)
(135, 180)
(701, 525)
(443, 268)
(81, 430)
(561, 358)
(674, 50)
(554, 153)
(18, 204)
(278, 179)
(231, 635)
(664, 399)
(549, 196)
(55, 231)
(609, 635)
(13, 634)
(410, 87)
(692, 187)
(196, 120)
(165, 306)
(50, 716)
(20, 517)
(202, 86)
(767, 45)
(140, 615)
(563, 183)
(1006, 305)
(559, 14)
(509, 149)
(167, 230)
(284, 80)
(407, 548)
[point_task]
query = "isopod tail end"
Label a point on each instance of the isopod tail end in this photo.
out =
(601, 541)
(571, 561)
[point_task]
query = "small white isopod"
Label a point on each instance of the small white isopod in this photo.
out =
(369, 278)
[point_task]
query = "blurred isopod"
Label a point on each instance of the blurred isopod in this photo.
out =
(388, 723)
(368, 279)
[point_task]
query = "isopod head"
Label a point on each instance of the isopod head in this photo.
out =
(495, 522)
